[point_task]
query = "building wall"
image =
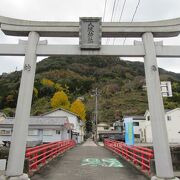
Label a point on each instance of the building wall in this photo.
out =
(137, 130)
(173, 126)
(73, 120)
(137, 127)
(44, 135)
(1, 117)
(100, 128)
(51, 136)
(6, 137)
(82, 134)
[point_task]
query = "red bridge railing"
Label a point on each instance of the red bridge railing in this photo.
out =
(139, 156)
(40, 155)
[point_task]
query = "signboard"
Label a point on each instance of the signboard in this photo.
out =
(129, 131)
(166, 89)
(90, 33)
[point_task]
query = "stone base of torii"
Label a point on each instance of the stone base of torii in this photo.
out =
(22, 177)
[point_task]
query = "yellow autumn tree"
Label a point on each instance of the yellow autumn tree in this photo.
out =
(60, 99)
(79, 108)
(47, 82)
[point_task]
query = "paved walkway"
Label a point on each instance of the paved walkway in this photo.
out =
(88, 162)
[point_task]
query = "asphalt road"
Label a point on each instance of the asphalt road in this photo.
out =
(88, 162)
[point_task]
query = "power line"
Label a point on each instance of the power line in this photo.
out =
(122, 10)
(114, 5)
(116, 8)
(135, 10)
(104, 10)
(120, 17)
(137, 6)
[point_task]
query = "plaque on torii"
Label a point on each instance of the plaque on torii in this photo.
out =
(90, 32)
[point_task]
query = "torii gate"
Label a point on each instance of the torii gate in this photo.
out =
(147, 49)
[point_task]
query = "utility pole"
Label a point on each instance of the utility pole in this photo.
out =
(96, 111)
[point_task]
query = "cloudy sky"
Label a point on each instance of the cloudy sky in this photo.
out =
(71, 10)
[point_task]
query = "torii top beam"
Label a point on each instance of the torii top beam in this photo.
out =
(16, 27)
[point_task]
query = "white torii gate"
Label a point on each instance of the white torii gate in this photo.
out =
(147, 49)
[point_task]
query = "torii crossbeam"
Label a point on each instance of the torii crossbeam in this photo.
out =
(147, 49)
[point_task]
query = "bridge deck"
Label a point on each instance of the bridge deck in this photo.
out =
(88, 162)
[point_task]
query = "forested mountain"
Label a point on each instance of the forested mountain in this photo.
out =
(119, 83)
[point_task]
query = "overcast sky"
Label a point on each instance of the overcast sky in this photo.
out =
(71, 10)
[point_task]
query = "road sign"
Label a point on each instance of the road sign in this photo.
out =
(90, 33)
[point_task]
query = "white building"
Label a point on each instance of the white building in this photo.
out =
(172, 118)
(41, 129)
(53, 126)
(2, 116)
(74, 119)
(138, 123)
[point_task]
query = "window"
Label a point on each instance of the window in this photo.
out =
(47, 133)
(5, 132)
(135, 123)
(136, 135)
(148, 118)
(58, 132)
(34, 132)
(169, 118)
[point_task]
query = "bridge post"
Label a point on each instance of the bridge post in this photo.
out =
(20, 129)
(162, 153)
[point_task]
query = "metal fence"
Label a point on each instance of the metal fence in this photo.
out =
(40, 155)
(139, 156)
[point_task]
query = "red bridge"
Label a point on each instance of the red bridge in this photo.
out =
(88, 161)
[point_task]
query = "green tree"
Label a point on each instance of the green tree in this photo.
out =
(47, 88)
(35, 93)
(9, 112)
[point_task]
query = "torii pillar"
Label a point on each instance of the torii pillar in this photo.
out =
(164, 169)
(16, 158)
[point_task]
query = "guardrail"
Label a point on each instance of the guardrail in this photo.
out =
(138, 156)
(40, 155)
